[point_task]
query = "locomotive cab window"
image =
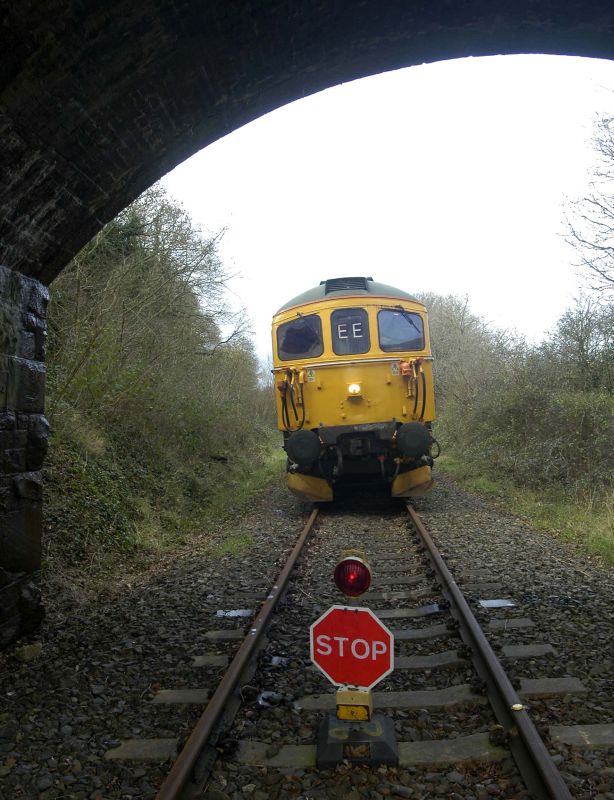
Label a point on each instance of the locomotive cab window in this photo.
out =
(400, 330)
(350, 331)
(301, 338)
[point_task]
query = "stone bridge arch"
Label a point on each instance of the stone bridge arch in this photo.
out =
(100, 99)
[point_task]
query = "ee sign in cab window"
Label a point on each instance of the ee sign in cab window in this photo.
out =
(350, 331)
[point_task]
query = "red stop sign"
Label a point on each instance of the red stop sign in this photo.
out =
(352, 647)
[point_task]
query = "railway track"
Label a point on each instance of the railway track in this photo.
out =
(257, 733)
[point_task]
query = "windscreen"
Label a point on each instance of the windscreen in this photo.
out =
(400, 330)
(301, 338)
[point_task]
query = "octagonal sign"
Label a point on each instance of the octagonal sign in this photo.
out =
(352, 647)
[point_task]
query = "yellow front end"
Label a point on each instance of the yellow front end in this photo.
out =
(357, 393)
(353, 388)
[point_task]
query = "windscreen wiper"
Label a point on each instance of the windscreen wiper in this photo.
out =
(407, 315)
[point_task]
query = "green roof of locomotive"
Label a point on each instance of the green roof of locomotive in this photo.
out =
(346, 287)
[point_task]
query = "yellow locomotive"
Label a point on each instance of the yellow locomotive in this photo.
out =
(354, 387)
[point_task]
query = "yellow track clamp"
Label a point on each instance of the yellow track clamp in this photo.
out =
(354, 704)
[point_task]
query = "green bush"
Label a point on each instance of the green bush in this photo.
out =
(541, 437)
(155, 395)
(539, 415)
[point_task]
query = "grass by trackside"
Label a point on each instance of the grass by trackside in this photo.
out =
(584, 518)
(115, 507)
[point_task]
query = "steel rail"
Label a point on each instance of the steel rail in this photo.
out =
(532, 758)
(181, 771)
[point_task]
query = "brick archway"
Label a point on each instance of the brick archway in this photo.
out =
(98, 100)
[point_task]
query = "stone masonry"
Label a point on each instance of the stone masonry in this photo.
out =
(99, 99)
(24, 434)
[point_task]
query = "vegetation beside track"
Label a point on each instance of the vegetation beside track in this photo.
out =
(531, 425)
(580, 518)
(114, 510)
(162, 420)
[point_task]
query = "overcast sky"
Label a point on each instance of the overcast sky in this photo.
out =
(451, 177)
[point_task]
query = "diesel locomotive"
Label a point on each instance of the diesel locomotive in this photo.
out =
(354, 389)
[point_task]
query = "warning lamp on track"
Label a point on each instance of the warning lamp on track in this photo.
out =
(352, 574)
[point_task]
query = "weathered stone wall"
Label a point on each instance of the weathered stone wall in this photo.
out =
(99, 99)
(23, 445)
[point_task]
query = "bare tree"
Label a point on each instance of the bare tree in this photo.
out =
(579, 353)
(591, 223)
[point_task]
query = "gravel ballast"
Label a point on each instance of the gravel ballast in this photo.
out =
(89, 678)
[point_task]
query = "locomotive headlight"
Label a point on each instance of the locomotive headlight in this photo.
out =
(354, 390)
